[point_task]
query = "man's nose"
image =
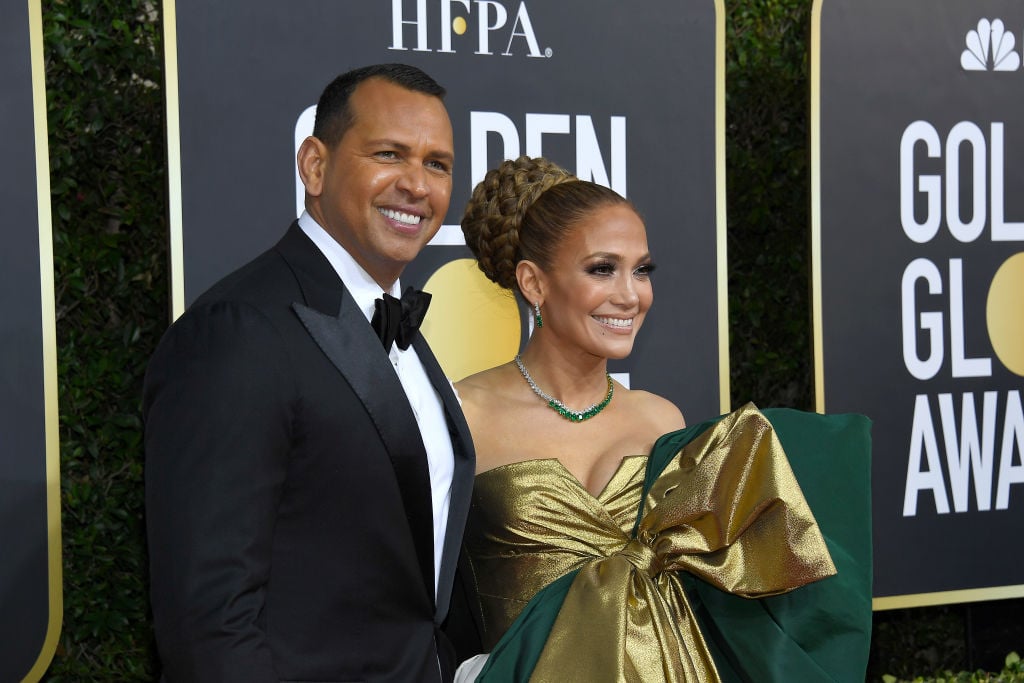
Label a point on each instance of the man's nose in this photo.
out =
(414, 181)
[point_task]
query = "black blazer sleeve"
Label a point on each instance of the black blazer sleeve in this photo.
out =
(217, 407)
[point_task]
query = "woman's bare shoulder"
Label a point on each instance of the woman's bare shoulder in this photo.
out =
(483, 386)
(484, 379)
(665, 414)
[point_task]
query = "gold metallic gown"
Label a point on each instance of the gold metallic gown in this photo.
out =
(727, 509)
(533, 521)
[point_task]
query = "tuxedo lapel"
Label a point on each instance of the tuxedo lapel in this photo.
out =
(462, 478)
(349, 343)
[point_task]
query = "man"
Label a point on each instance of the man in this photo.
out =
(306, 484)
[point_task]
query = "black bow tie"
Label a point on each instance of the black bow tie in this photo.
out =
(397, 320)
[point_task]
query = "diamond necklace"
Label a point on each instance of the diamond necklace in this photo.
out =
(559, 407)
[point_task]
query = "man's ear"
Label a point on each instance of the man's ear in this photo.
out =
(532, 282)
(311, 161)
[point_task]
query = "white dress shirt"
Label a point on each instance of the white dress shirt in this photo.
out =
(423, 399)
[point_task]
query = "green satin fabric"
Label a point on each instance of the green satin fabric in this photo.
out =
(623, 613)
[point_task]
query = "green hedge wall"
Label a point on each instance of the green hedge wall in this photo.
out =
(104, 95)
(767, 194)
(107, 157)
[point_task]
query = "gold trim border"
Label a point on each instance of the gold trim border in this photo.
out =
(724, 388)
(816, 310)
(49, 350)
(892, 601)
(175, 247)
(948, 597)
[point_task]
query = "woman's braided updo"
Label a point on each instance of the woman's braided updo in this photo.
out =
(495, 213)
(522, 210)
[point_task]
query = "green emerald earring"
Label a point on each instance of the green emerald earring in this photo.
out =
(538, 321)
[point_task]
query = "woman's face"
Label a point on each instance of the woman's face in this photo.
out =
(598, 287)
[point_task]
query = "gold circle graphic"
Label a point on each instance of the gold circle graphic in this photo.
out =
(472, 324)
(1004, 313)
(459, 25)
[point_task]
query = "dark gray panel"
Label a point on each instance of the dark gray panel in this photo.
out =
(885, 65)
(247, 70)
(24, 588)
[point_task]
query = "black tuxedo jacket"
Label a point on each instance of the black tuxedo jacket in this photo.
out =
(287, 491)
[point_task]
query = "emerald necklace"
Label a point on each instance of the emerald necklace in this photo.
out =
(559, 407)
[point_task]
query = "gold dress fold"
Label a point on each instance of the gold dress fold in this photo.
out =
(726, 509)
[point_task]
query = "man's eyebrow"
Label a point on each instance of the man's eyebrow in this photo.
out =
(402, 147)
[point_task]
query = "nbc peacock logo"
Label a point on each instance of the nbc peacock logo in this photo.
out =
(990, 47)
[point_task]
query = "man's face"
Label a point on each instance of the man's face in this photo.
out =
(385, 187)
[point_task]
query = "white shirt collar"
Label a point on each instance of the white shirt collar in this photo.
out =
(423, 398)
(357, 281)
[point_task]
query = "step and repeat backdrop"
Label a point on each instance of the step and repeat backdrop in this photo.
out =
(917, 212)
(30, 572)
(918, 220)
(628, 95)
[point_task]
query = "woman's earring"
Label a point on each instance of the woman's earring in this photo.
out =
(538, 321)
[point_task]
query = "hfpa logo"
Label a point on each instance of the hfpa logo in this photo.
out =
(512, 30)
(990, 48)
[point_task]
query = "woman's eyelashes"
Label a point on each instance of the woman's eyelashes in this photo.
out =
(644, 270)
(608, 268)
(601, 268)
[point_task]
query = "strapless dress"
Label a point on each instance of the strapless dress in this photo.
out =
(532, 522)
(669, 573)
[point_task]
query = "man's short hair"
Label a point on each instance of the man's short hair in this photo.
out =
(334, 116)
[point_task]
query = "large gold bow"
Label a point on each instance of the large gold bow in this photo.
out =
(726, 509)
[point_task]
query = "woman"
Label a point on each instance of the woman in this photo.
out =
(582, 546)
